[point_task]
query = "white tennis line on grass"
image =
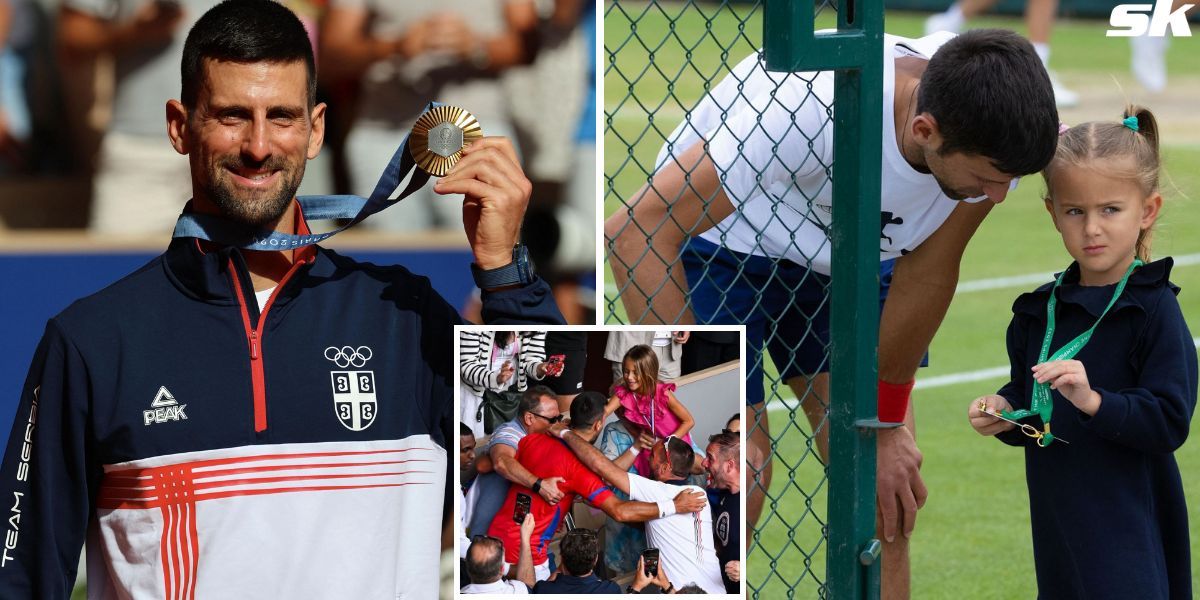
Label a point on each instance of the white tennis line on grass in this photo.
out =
(932, 382)
(994, 283)
(979, 285)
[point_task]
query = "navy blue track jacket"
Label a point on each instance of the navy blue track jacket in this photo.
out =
(206, 449)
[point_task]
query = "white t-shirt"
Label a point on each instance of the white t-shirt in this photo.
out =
(264, 296)
(504, 586)
(460, 526)
(760, 126)
(684, 541)
(506, 354)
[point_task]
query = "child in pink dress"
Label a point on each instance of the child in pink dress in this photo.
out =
(657, 414)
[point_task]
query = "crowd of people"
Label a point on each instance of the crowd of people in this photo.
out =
(86, 81)
(666, 512)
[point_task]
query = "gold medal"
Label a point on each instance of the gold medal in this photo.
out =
(439, 136)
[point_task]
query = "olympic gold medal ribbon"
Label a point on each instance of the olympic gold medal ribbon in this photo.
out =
(1041, 404)
(1043, 438)
(439, 136)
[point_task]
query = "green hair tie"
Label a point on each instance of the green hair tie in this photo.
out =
(1131, 122)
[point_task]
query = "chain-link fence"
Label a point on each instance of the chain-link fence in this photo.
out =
(719, 187)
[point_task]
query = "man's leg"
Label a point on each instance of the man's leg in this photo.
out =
(488, 492)
(729, 288)
(896, 575)
(802, 357)
(758, 455)
(795, 336)
(1148, 57)
(813, 392)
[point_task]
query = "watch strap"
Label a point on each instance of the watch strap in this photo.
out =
(518, 272)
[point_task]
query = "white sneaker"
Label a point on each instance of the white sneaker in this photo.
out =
(1148, 60)
(1063, 97)
(944, 21)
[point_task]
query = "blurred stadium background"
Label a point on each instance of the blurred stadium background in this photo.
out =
(972, 539)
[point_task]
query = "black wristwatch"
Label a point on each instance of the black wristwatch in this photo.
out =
(630, 590)
(537, 487)
(518, 272)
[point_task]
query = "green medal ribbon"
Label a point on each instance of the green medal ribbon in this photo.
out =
(1042, 406)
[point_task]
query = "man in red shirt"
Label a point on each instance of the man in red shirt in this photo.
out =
(545, 455)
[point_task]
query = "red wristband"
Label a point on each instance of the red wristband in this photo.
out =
(893, 401)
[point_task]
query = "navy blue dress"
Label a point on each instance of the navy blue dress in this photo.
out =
(1108, 512)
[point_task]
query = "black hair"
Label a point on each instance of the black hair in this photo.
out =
(464, 429)
(579, 552)
(586, 409)
(691, 588)
(503, 338)
(245, 31)
(490, 566)
(532, 398)
(735, 417)
(680, 456)
(991, 96)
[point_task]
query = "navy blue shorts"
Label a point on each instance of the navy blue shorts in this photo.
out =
(782, 304)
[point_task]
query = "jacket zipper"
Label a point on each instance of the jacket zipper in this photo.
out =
(254, 336)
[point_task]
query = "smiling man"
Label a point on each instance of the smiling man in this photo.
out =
(742, 197)
(231, 423)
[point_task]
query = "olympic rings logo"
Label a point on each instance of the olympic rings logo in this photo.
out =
(348, 356)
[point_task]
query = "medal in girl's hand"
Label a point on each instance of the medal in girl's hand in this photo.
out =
(1027, 429)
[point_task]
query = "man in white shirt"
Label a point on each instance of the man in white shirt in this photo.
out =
(684, 540)
(485, 565)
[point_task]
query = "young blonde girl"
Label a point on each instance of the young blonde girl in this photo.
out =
(647, 405)
(1103, 380)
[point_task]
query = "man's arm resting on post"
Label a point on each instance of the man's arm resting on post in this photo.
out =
(923, 285)
(684, 198)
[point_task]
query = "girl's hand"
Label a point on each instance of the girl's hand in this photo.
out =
(1071, 380)
(984, 423)
(644, 441)
(506, 372)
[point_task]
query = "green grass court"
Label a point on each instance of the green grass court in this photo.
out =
(972, 538)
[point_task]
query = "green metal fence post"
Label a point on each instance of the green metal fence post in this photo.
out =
(856, 51)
